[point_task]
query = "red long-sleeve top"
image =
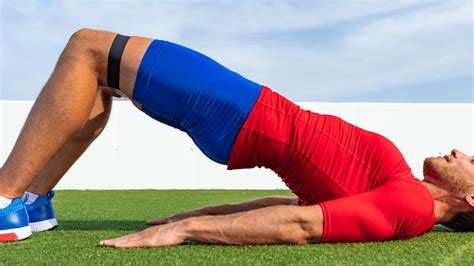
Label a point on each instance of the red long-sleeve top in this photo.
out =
(359, 178)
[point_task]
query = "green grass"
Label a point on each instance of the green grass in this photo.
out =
(85, 217)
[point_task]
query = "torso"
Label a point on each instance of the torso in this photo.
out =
(321, 157)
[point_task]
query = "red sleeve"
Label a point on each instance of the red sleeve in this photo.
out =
(400, 209)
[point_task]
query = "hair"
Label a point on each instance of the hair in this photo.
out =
(462, 222)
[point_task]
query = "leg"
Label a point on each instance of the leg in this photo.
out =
(63, 106)
(74, 147)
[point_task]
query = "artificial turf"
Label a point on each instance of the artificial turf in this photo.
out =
(85, 217)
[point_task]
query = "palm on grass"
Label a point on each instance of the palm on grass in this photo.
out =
(156, 236)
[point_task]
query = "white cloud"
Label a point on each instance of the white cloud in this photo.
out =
(359, 47)
(426, 44)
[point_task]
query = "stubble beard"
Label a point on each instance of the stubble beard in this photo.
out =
(445, 174)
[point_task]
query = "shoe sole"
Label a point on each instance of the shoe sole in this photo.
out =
(15, 234)
(44, 225)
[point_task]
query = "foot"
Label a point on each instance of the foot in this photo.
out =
(41, 213)
(14, 222)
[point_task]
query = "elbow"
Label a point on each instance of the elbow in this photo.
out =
(305, 237)
(299, 235)
(296, 238)
(308, 232)
(311, 225)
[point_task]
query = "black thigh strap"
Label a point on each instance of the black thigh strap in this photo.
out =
(115, 56)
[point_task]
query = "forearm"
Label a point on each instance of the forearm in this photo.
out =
(271, 225)
(228, 209)
(248, 205)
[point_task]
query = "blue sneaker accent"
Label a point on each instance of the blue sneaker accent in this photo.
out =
(14, 222)
(41, 213)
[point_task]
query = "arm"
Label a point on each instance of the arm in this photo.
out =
(229, 208)
(271, 225)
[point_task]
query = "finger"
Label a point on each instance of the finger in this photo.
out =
(136, 243)
(113, 241)
(139, 239)
(164, 222)
(105, 243)
(157, 222)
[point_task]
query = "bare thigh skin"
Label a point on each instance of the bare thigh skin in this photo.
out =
(72, 110)
(64, 107)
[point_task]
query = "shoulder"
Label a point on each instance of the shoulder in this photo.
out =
(409, 205)
(413, 208)
(399, 209)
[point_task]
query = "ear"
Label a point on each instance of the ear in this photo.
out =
(470, 200)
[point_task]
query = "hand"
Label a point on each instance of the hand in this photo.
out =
(175, 218)
(156, 236)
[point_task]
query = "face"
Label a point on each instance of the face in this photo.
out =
(454, 172)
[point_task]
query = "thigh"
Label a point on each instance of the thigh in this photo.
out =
(132, 56)
(97, 43)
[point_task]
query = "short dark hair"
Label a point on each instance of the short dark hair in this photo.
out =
(462, 222)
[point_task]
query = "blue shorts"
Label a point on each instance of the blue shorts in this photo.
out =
(189, 91)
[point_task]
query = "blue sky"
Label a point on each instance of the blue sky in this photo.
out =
(333, 51)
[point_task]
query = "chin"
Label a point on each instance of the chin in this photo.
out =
(429, 169)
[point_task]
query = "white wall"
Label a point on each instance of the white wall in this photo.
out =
(136, 152)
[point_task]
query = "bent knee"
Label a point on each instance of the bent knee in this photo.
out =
(80, 49)
(82, 34)
(82, 41)
(90, 46)
(92, 38)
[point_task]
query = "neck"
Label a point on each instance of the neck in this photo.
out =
(444, 202)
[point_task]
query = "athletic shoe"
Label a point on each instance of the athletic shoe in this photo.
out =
(14, 222)
(41, 213)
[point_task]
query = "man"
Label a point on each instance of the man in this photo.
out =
(352, 185)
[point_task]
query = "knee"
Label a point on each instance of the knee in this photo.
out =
(82, 36)
(81, 44)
